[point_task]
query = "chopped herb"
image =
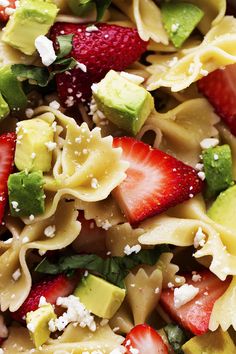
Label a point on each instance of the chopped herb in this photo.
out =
(65, 45)
(113, 269)
(101, 5)
(176, 337)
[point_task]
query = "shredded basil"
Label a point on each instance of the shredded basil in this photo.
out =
(113, 269)
(65, 45)
(176, 337)
(101, 5)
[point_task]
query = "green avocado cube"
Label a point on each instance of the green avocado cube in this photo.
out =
(103, 299)
(4, 108)
(218, 169)
(124, 103)
(26, 194)
(37, 323)
(30, 20)
(223, 209)
(180, 19)
(11, 89)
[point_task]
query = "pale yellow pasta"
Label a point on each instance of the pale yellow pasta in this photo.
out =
(15, 289)
(169, 270)
(143, 292)
(180, 130)
(122, 319)
(216, 50)
(147, 17)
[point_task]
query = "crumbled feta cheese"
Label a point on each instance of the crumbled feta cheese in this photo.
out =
(196, 277)
(175, 27)
(51, 145)
(25, 239)
(50, 231)
(134, 249)
(133, 350)
(41, 252)
(92, 28)
(33, 155)
(46, 50)
(70, 101)
(1, 351)
(170, 285)
(15, 206)
(204, 72)
(76, 313)
(42, 301)
(4, 3)
(31, 327)
(120, 350)
(184, 294)
(94, 88)
(136, 79)
(17, 274)
(106, 225)
(81, 67)
(156, 291)
(54, 104)
(201, 175)
(199, 166)
(209, 143)
(9, 11)
(31, 217)
(216, 157)
(199, 239)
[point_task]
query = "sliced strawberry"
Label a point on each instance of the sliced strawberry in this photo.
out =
(51, 289)
(7, 11)
(220, 89)
(109, 47)
(7, 149)
(145, 340)
(195, 314)
(92, 239)
(155, 181)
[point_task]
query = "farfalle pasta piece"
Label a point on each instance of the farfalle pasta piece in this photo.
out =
(143, 292)
(120, 236)
(15, 276)
(180, 130)
(169, 270)
(192, 64)
(122, 319)
(147, 17)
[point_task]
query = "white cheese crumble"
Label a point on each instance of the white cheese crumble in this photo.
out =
(199, 166)
(175, 27)
(136, 79)
(46, 50)
(31, 327)
(184, 294)
(120, 350)
(94, 88)
(15, 206)
(196, 278)
(42, 301)
(76, 313)
(25, 239)
(92, 28)
(54, 104)
(50, 231)
(216, 157)
(199, 239)
(4, 3)
(134, 249)
(201, 175)
(17, 274)
(81, 66)
(209, 143)
(31, 217)
(1, 351)
(133, 350)
(33, 155)
(50, 145)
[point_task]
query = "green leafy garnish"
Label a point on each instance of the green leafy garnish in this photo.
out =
(65, 45)
(31, 72)
(101, 5)
(176, 337)
(113, 269)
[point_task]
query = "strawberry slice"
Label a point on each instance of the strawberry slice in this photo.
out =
(195, 314)
(7, 10)
(51, 289)
(108, 47)
(7, 150)
(143, 339)
(219, 88)
(155, 181)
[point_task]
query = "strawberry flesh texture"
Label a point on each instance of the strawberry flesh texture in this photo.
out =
(220, 89)
(155, 181)
(4, 14)
(7, 150)
(51, 289)
(146, 340)
(111, 47)
(194, 316)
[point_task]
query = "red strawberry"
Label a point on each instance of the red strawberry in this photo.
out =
(220, 89)
(145, 340)
(111, 47)
(195, 314)
(7, 149)
(155, 181)
(6, 11)
(51, 289)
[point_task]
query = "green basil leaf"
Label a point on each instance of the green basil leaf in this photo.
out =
(113, 269)
(81, 7)
(31, 72)
(176, 337)
(65, 45)
(101, 5)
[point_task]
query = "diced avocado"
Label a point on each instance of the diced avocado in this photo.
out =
(100, 297)
(33, 150)
(37, 323)
(124, 103)
(4, 108)
(217, 342)
(30, 20)
(81, 7)
(26, 194)
(11, 89)
(180, 19)
(223, 209)
(218, 169)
